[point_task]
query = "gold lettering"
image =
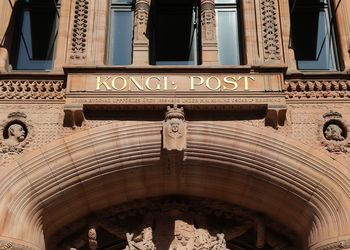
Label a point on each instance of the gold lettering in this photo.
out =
(104, 83)
(231, 80)
(125, 83)
(133, 80)
(166, 82)
(148, 79)
(207, 83)
(246, 79)
(192, 78)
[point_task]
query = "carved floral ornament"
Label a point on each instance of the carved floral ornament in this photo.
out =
(334, 133)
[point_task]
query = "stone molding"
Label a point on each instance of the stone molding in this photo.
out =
(9, 245)
(317, 89)
(32, 90)
(342, 244)
(80, 30)
(270, 31)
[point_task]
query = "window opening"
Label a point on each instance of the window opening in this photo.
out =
(121, 32)
(313, 35)
(36, 34)
(175, 32)
(227, 30)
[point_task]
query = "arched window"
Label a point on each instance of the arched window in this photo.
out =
(35, 34)
(313, 35)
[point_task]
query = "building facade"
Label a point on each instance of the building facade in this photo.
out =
(174, 124)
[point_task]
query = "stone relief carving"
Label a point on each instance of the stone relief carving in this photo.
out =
(7, 245)
(270, 28)
(16, 133)
(144, 241)
(80, 28)
(32, 90)
(174, 129)
(92, 236)
(315, 89)
(141, 19)
(208, 20)
(187, 237)
(333, 133)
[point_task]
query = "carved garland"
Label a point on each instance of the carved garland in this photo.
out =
(314, 89)
(80, 27)
(32, 90)
(271, 40)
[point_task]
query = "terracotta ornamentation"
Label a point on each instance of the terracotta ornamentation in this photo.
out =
(208, 20)
(174, 129)
(92, 236)
(144, 241)
(333, 133)
(80, 28)
(142, 8)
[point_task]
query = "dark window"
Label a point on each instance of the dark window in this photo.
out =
(121, 32)
(36, 32)
(174, 32)
(227, 29)
(313, 34)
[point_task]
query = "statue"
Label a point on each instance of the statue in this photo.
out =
(334, 132)
(184, 236)
(144, 241)
(16, 134)
(174, 129)
(92, 235)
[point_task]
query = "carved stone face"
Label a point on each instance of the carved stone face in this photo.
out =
(16, 133)
(334, 132)
(175, 124)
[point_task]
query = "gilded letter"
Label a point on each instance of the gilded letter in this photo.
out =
(104, 83)
(207, 83)
(125, 83)
(132, 79)
(231, 80)
(148, 79)
(193, 83)
(246, 81)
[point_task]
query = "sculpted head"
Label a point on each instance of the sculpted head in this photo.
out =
(334, 132)
(16, 134)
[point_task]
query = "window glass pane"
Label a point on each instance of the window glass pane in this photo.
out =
(36, 39)
(121, 37)
(312, 39)
(122, 1)
(228, 38)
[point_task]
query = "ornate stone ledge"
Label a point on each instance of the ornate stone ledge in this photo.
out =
(32, 90)
(315, 89)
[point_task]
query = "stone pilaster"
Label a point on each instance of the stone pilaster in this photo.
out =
(208, 29)
(141, 41)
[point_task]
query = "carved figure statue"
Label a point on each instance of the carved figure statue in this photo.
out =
(144, 241)
(16, 134)
(184, 236)
(187, 237)
(334, 132)
(174, 129)
(92, 235)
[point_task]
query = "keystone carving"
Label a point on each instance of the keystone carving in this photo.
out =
(144, 241)
(174, 129)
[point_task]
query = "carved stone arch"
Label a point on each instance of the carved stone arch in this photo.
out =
(109, 165)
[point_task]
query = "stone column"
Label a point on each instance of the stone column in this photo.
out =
(208, 28)
(141, 41)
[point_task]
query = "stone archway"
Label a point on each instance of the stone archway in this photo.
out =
(68, 179)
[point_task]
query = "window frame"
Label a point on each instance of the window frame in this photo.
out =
(331, 48)
(120, 6)
(234, 7)
(20, 61)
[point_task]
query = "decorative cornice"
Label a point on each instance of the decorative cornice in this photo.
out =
(32, 90)
(315, 89)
